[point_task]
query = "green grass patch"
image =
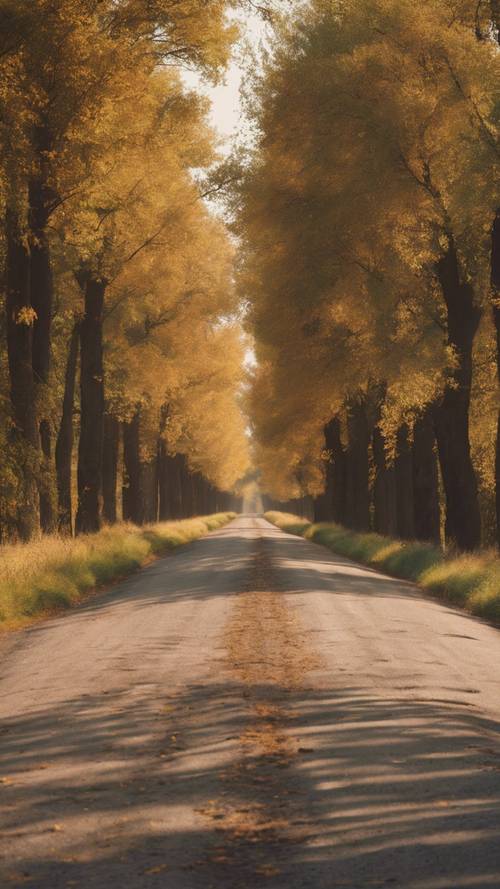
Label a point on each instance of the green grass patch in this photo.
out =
(471, 581)
(292, 524)
(51, 574)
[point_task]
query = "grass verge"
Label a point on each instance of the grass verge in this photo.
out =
(469, 580)
(48, 575)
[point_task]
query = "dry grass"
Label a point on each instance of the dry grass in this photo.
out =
(471, 581)
(53, 573)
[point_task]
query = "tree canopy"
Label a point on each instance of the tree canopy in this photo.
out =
(366, 220)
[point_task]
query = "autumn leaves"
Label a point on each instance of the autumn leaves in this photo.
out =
(367, 220)
(120, 306)
(365, 217)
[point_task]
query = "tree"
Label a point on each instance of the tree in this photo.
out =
(63, 65)
(364, 227)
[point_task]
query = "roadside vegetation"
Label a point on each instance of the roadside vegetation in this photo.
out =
(469, 580)
(55, 572)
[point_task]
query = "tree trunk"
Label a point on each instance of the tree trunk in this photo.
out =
(323, 503)
(497, 464)
(205, 492)
(198, 486)
(463, 521)
(22, 386)
(403, 472)
(425, 481)
(358, 494)
(46, 481)
(64, 443)
(132, 467)
(188, 509)
(208, 499)
(164, 504)
(338, 471)
(176, 488)
(111, 440)
(384, 488)
(40, 196)
(149, 490)
(88, 517)
(41, 300)
(141, 490)
(495, 293)
(495, 17)
(319, 508)
(329, 434)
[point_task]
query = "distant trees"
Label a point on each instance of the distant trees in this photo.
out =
(117, 280)
(367, 218)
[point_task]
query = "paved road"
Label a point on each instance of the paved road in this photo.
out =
(252, 711)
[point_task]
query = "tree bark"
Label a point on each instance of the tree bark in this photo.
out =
(495, 293)
(425, 481)
(22, 385)
(111, 440)
(495, 17)
(403, 472)
(149, 489)
(198, 490)
(384, 488)
(88, 517)
(205, 494)
(46, 487)
(176, 489)
(338, 470)
(64, 443)
(329, 433)
(323, 503)
(164, 505)
(188, 508)
(463, 521)
(141, 490)
(132, 467)
(319, 508)
(358, 493)
(40, 196)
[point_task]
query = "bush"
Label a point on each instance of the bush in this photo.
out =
(53, 573)
(471, 581)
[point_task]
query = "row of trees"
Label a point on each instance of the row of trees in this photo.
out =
(120, 321)
(371, 262)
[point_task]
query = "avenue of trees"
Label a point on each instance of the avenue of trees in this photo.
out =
(120, 346)
(370, 237)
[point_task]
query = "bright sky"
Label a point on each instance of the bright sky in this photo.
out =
(226, 114)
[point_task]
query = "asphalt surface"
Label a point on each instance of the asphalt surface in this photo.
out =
(252, 711)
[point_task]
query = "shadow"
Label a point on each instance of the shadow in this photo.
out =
(148, 783)
(105, 791)
(219, 565)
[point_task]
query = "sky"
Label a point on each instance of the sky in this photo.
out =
(226, 112)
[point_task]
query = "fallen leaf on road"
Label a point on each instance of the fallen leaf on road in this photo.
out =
(157, 869)
(267, 870)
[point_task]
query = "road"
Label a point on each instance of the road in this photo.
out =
(251, 711)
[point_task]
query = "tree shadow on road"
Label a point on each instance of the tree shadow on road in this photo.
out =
(101, 791)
